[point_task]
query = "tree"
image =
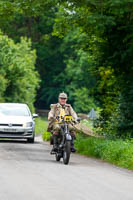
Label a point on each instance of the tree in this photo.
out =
(50, 60)
(108, 24)
(18, 78)
(78, 70)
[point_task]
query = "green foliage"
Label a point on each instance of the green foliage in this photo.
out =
(58, 60)
(88, 123)
(93, 54)
(125, 120)
(118, 152)
(40, 125)
(83, 103)
(46, 136)
(109, 25)
(79, 77)
(50, 64)
(18, 78)
(9, 8)
(34, 19)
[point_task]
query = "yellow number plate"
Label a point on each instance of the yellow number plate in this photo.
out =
(67, 118)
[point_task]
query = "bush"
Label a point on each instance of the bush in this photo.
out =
(46, 136)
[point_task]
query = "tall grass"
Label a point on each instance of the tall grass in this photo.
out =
(118, 152)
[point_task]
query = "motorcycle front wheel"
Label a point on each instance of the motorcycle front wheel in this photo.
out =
(57, 157)
(66, 153)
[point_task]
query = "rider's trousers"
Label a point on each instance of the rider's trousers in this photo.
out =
(57, 127)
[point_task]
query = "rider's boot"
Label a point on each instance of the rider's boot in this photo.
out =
(55, 146)
(72, 144)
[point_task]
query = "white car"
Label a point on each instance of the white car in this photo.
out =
(16, 121)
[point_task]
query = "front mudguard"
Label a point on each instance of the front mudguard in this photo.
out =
(68, 137)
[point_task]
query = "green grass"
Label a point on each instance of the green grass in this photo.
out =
(118, 152)
(40, 125)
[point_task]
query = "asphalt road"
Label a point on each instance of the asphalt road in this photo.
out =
(29, 172)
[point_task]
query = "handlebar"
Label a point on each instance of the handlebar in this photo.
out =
(66, 118)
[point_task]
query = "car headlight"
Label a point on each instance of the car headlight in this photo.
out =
(28, 124)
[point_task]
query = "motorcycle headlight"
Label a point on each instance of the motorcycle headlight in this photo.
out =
(28, 124)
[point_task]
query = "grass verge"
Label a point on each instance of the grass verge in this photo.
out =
(117, 152)
(41, 125)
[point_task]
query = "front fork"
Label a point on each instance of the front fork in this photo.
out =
(65, 135)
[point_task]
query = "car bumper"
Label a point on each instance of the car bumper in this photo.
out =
(16, 132)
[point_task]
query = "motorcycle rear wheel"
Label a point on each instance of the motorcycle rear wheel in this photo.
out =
(66, 153)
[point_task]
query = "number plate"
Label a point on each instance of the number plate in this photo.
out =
(9, 130)
(67, 118)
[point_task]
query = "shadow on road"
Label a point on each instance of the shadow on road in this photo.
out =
(17, 141)
(12, 141)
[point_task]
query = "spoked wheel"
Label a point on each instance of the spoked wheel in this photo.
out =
(66, 153)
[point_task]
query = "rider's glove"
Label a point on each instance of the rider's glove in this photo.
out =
(57, 117)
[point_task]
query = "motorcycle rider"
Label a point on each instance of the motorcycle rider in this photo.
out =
(54, 113)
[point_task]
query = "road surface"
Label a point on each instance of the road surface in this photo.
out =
(29, 172)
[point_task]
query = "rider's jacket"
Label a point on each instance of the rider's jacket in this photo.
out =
(56, 109)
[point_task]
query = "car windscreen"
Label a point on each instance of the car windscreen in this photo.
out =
(10, 110)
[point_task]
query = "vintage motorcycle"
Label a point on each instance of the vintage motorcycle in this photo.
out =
(64, 139)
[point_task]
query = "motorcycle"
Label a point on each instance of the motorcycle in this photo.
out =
(64, 139)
